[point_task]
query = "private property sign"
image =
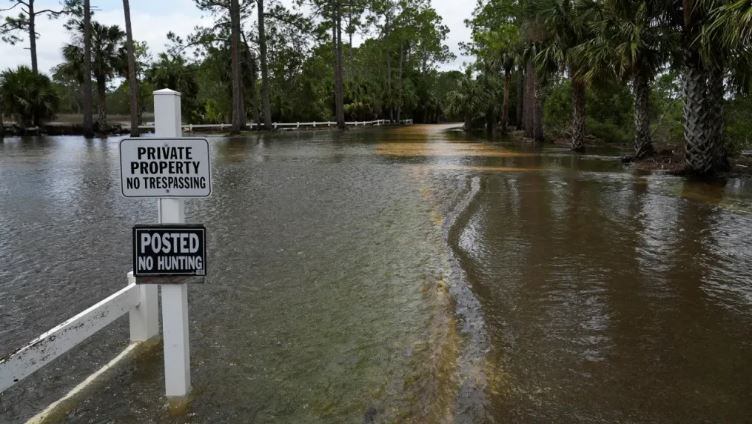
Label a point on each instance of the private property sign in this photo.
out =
(169, 250)
(165, 167)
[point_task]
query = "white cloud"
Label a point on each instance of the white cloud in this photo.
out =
(454, 13)
(149, 27)
(152, 28)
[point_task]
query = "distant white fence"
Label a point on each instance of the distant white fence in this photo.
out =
(139, 301)
(285, 125)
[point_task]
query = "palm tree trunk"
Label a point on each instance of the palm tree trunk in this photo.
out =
(102, 103)
(530, 103)
(33, 36)
(238, 103)
(520, 99)
(505, 104)
(265, 100)
(538, 112)
(132, 79)
(339, 86)
(643, 144)
(699, 147)
(87, 100)
(578, 115)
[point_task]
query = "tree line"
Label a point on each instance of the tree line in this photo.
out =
(257, 61)
(544, 59)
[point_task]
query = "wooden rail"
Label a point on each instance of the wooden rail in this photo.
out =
(285, 125)
(138, 300)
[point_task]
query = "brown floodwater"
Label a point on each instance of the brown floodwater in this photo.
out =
(410, 274)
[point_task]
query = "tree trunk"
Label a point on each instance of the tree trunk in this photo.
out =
(538, 112)
(132, 79)
(578, 115)
(339, 86)
(530, 103)
(350, 31)
(520, 99)
(255, 96)
(643, 144)
(491, 121)
(102, 105)
(255, 91)
(388, 71)
(238, 102)
(33, 37)
(399, 79)
(87, 100)
(505, 104)
(389, 85)
(699, 147)
(265, 101)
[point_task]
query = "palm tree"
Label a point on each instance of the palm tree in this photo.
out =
(106, 61)
(726, 41)
(28, 96)
(705, 61)
(733, 23)
(532, 33)
(629, 40)
(507, 64)
(568, 26)
(465, 100)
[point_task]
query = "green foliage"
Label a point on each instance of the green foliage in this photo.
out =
(667, 108)
(28, 96)
(609, 111)
(557, 110)
(176, 73)
(392, 72)
(739, 124)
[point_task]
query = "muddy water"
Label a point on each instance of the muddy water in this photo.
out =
(396, 275)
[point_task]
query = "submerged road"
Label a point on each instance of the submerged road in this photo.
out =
(395, 275)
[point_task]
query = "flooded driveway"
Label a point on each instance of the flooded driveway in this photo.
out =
(395, 275)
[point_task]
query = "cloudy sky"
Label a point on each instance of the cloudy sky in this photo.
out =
(152, 19)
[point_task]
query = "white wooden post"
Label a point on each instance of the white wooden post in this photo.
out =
(144, 319)
(177, 356)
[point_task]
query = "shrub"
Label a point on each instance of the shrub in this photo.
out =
(28, 96)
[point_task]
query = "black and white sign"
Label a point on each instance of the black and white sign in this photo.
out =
(159, 167)
(169, 250)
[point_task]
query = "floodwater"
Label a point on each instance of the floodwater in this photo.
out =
(395, 275)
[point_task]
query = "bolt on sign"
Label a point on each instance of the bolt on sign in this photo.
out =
(165, 167)
(169, 250)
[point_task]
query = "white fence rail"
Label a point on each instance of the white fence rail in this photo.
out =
(140, 301)
(285, 125)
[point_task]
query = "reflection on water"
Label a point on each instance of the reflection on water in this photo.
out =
(396, 275)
